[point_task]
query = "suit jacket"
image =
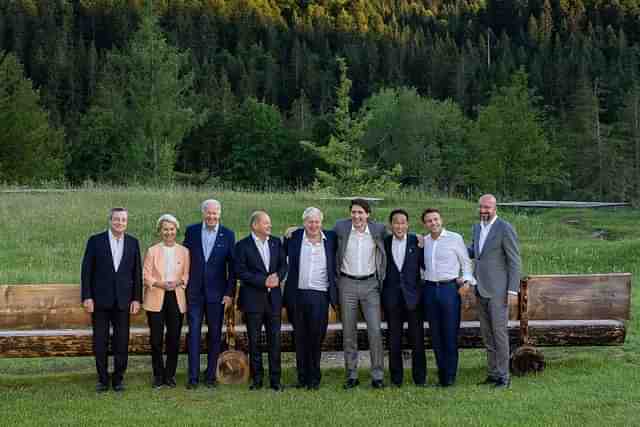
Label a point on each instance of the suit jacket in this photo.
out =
(254, 295)
(99, 281)
(153, 271)
(292, 247)
(210, 281)
(497, 266)
(378, 232)
(403, 286)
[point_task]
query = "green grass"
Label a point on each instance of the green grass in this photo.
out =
(43, 237)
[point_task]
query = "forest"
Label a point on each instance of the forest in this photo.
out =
(524, 98)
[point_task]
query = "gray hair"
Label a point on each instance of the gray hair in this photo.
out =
(167, 218)
(214, 202)
(311, 212)
(255, 216)
(115, 210)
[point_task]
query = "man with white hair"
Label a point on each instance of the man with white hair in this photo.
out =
(310, 288)
(212, 285)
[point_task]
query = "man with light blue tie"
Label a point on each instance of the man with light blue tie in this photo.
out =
(210, 288)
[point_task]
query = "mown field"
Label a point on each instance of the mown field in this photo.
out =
(42, 237)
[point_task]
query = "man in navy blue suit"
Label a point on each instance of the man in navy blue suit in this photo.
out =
(261, 265)
(401, 299)
(211, 287)
(310, 288)
(111, 286)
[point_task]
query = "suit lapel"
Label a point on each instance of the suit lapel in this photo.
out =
(272, 254)
(407, 251)
(220, 237)
(256, 253)
(476, 240)
(491, 236)
(107, 244)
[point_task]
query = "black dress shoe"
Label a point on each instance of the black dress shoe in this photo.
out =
(377, 384)
(277, 387)
(211, 383)
(351, 383)
(102, 387)
(313, 387)
(170, 382)
(256, 385)
(422, 385)
(118, 387)
(301, 385)
(192, 385)
(503, 384)
(488, 381)
(449, 383)
(396, 384)
(157, 382)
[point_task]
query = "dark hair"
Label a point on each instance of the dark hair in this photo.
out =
(428, 211)
(118, 209)
(398, 211)
(362, 203)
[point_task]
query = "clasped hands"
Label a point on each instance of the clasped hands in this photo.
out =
(272, 281)
(169, 285)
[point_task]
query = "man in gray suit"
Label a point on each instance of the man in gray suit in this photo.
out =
(497, 271)
(361, 265)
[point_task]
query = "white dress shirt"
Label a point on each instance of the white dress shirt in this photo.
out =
(446, 257)
(209, 236)
(313, 265)
(485, 228)
(359, 255)
(117, 247)
(398, 250)
(263, 248)
(169, 254)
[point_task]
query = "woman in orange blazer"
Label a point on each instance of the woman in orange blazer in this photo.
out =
(165, 276)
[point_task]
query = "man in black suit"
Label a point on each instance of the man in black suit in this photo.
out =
(310, 288)
(111, 283)
(401, 299)
(260, 264)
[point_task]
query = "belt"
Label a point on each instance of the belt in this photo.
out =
(441, 282)
(357, 277)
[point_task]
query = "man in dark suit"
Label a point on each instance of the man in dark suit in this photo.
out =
(210, 288)
(111, 286)
(401, 299)
(310, 288)
(496, 252)
(361, 262)
(260, 264)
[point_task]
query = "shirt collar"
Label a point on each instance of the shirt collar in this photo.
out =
(206, 229)
(255, 238)
(404, 239)
(490, 222)
(366, 229)
(442, 234)
(112, 237)
(304, 236)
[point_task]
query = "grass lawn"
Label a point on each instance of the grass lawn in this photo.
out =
(43, 238)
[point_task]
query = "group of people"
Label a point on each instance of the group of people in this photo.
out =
(356, 266)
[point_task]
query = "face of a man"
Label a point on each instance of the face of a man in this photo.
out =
(118, 223)
(312, 226)
(359, 217)
(262, 226)
(399, 225)
(211, 215)
(433, 223)
(487, 208)
(168, 233)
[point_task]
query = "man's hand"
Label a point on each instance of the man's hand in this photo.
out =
(420, 240)
(465, 287)
(289, 231)
(134, 307)
(272, 281)
(88, 305)
(227, 301)
(170, 286)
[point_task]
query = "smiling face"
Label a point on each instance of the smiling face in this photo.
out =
(118, 222)
(262, 226)
(359, 217)
(168, 233)
(211, 215)
(399, 225)
(433, 223)
(487, 208)
(312, 226)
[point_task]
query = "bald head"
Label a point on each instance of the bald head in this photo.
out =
(487, 207)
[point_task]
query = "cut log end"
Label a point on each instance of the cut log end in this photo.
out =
(527, 359)
(233, 367)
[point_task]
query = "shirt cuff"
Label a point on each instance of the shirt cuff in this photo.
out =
(512, 292)
(469, 278)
